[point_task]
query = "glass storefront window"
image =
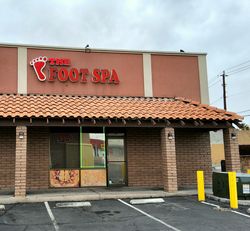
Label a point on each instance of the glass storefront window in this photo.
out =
(70, 149)
(78, 157)
(92, 150)
(64, 150)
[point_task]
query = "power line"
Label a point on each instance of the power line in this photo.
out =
(229, 96)
(244, 111)
(211, 85)
(234, 69)
(213, 78)
(239, 70)
(238, 93)
(216, 100)
(237, 65)
(211, 82)
(245, 115)
(232, 72)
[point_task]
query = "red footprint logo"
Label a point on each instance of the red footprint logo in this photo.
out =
(38, 65)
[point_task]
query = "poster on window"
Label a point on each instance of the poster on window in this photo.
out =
(64, 178)
(246, 188)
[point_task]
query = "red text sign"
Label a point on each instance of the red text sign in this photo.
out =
(59, 70)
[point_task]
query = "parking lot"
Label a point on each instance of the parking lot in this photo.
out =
(176, 213)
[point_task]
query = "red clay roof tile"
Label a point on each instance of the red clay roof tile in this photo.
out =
(109, 107)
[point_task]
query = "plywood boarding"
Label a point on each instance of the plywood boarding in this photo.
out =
(93, 177)
(64, 178)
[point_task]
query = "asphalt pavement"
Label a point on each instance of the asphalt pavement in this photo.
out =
(175, 214)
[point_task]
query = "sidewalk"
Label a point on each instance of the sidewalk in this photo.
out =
(92, 194)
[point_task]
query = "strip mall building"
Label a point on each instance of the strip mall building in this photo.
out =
(82, 118)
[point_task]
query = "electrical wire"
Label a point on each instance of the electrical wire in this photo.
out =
(216, 100)
(240, 64)
(238, 93)
(211, 85)
(243, 111)
(245, 115)
(235, 71)
(232, 71)
(238, 70)
(213, 78)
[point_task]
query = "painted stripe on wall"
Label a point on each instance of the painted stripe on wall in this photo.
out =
(203, 79)
(147, 73)
(22, 70)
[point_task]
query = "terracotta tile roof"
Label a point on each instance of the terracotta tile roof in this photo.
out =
(109, 107)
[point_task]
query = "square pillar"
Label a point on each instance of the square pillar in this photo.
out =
(20, 165)
(231, 146)
(168, 153)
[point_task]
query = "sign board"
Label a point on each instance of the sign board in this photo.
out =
(246, 188)
(60, 70)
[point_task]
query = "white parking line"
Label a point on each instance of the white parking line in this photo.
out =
(206, 203)
(242, 214)
(148, 215)
(51, 216)
(233, 211)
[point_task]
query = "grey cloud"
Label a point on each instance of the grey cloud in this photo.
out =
(220, 28)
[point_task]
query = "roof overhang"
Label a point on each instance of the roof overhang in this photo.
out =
(63, 110)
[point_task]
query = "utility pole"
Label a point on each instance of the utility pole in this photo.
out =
(224, 89)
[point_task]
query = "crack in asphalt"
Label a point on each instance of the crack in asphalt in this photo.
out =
(10, 224)
(7, 210)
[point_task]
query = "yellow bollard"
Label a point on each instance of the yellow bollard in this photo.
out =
(233, 190)
(248, 171)
(200, 186)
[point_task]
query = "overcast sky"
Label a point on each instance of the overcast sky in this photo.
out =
(219, 28)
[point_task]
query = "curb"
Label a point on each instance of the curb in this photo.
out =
(225, 200)
(92, 196)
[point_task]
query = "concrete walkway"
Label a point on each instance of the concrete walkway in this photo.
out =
(91, 194)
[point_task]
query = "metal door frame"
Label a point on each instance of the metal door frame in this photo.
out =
(125, 158)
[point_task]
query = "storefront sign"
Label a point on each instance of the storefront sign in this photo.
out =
(59, 69)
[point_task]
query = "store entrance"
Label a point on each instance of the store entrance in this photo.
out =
(87, 157)
(116, 161)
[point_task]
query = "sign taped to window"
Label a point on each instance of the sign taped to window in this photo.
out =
(246, 188)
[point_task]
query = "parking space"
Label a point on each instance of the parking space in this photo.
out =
(102, 215)
(176, 213)
(28, 217)
(185, 213)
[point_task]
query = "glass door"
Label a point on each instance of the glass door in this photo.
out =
(116, 161)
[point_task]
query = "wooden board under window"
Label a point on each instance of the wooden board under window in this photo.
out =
(64, 178)
(93, 177)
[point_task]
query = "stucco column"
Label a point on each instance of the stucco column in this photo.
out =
(169, 169)
(231, 147)
(20, 165)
